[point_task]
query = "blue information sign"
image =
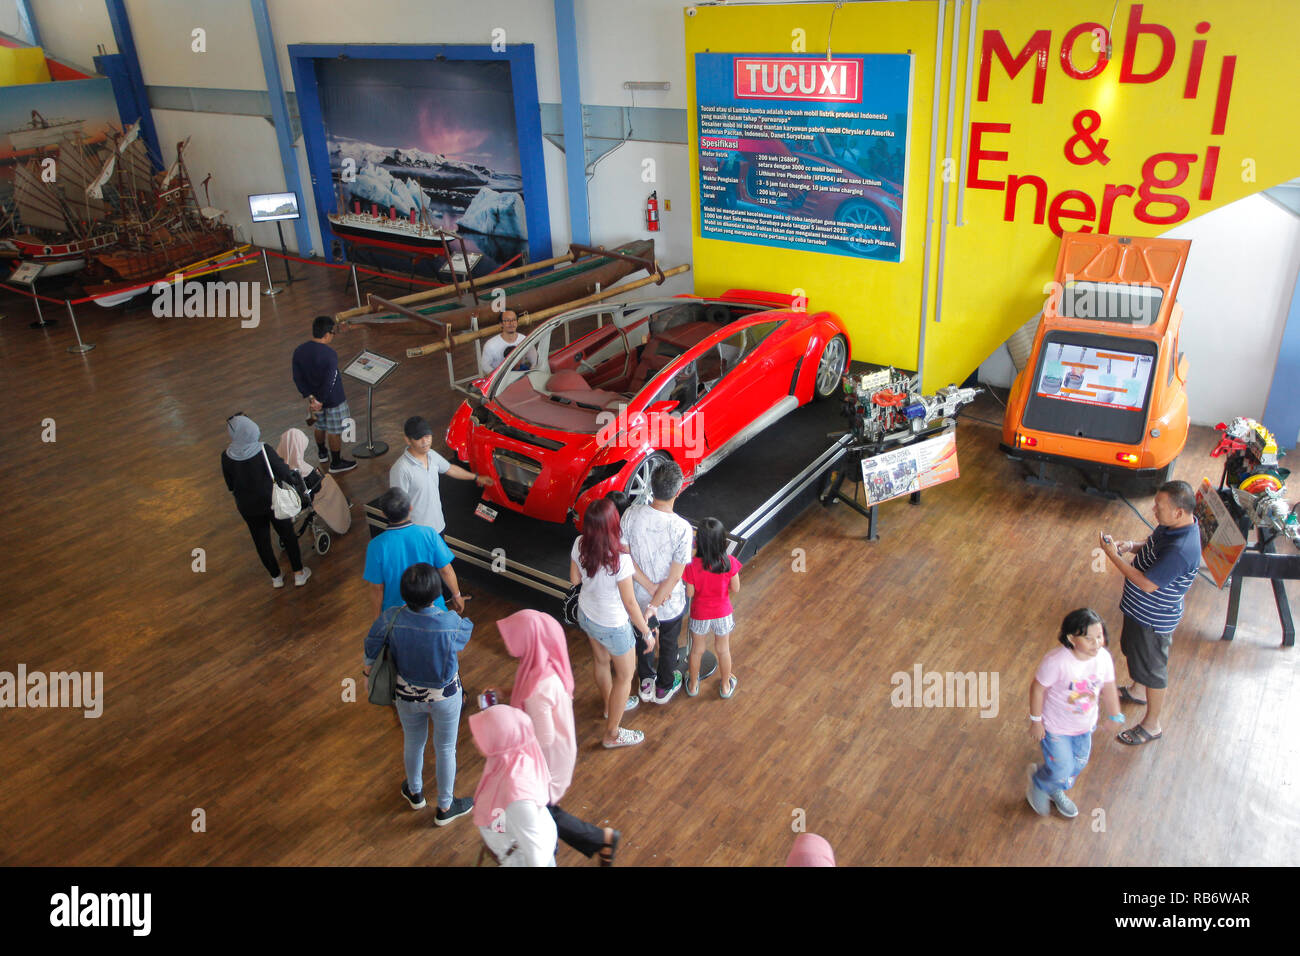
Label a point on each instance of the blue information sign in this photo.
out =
(804, 153)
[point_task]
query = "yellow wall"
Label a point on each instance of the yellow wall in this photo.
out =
(22, 65)
(994, 270)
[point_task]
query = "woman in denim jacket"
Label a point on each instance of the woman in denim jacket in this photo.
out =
(424, 641)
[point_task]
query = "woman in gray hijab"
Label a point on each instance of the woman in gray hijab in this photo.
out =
(247, 465)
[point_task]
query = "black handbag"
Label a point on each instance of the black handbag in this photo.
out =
(382, 682)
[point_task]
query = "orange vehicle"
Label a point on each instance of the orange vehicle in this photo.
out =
(1106, 388)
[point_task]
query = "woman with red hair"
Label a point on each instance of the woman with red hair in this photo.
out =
(607, 612)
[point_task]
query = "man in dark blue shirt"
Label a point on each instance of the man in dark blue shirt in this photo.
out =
(316, 373)
(1163, 568)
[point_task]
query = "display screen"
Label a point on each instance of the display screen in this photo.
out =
(1095, 376)
(271, 206)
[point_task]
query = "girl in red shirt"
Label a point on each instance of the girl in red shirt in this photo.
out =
(711, 578)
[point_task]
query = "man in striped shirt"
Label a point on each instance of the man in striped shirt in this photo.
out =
(1163, 568)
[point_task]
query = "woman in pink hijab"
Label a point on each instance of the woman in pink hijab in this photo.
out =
(510, 802)
(544, 690)
(810, 850)
(329, 501)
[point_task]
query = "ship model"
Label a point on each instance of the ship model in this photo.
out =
(161, 226)
(373, 225)
(54, 221)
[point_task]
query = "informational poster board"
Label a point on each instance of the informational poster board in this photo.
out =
(911, 468)
(1221, 540)
(25, 273)
(1079, 373)
(804, 153)
(370, 368)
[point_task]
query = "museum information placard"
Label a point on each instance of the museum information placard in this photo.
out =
(804, 153)
(911, 468)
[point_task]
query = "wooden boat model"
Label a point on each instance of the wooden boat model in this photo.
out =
(541, 285)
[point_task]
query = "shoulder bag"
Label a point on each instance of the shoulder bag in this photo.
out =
(382, 683)
(285, 502)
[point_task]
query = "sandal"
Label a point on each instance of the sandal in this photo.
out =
(687, 687)
(731, 688)
(609, 849)
(1137, 736)
(1127, 697)
(626, 738)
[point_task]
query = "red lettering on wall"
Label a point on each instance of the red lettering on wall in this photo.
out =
(1136, 28)
(1057, 211)
(1207, 177)
(977, 131)
(1014, 182)
(1224, 95)
(1147, 198)
(1194, 71)
(1037, 49)
(1108, 204)
(1067, 50)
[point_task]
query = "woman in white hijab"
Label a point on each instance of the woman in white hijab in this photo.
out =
(247, 466)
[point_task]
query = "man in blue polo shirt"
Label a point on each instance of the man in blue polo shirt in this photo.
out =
(399, 547)
(1163, 568)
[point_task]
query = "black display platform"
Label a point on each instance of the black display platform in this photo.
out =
(755, 492)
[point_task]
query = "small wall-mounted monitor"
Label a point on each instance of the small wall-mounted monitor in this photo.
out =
(269, 207)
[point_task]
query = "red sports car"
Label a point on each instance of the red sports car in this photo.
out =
(624, 387)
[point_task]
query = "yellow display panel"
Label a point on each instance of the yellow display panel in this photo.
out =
(1076, 121)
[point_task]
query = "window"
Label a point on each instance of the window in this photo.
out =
(1111, 302)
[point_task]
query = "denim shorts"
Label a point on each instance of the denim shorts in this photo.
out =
(617, 640)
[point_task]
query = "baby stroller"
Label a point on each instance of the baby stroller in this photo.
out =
(324, 507)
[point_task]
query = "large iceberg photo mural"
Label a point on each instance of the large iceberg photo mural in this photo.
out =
(417, 146)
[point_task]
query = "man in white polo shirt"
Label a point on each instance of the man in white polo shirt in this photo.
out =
(499, 346)
(416, 472)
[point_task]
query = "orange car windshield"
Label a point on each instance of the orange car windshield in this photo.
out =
(1122, 303)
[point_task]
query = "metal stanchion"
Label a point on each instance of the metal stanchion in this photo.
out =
(355, 287)
(81, 347)
(41, 321)
(270, 283)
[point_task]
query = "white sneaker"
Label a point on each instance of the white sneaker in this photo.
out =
(300, 577)
(278, 581)
(647, 690)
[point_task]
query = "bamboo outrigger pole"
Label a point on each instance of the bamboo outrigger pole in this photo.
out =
(444, 291)
(531, 318)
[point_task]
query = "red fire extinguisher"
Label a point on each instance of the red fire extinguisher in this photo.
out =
(652, 212)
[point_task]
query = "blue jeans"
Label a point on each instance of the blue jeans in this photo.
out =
(1064, 759)
(415, 729)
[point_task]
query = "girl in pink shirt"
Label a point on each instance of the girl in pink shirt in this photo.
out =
(544, 690)
(1064, 698)
(711, 578)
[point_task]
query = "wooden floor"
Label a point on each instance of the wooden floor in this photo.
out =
(225, 696)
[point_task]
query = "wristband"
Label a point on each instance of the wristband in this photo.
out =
(1118, 718)
(1037, 720)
